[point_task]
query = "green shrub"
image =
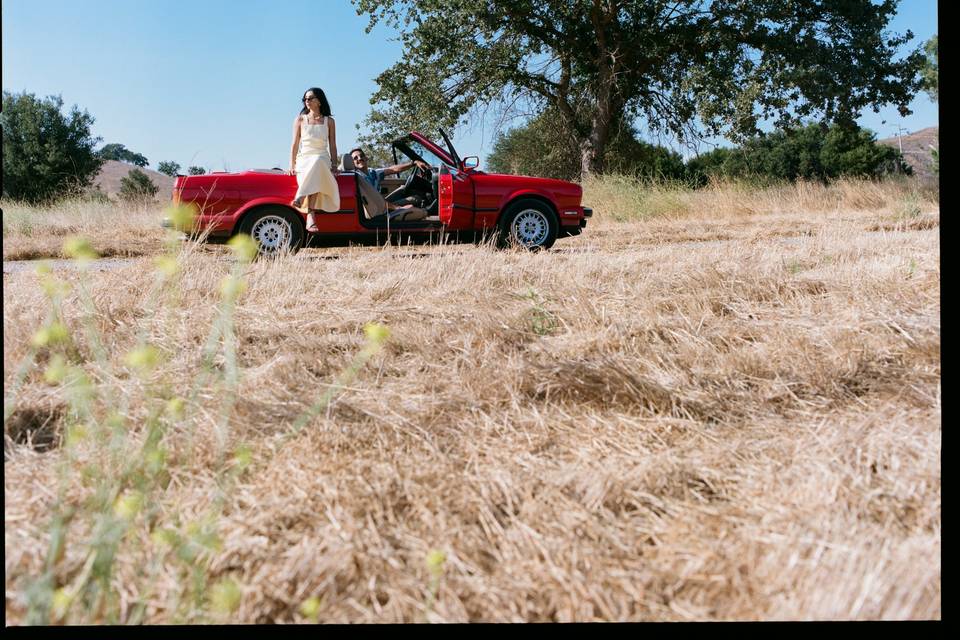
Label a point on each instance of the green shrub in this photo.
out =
(137, 185)
(814, 152)
(45, 154)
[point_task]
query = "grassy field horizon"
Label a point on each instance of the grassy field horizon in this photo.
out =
(720, 404)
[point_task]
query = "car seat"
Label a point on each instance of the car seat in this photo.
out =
(374, 204)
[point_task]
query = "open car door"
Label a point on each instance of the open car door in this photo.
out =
(456, 192)
(455, 199)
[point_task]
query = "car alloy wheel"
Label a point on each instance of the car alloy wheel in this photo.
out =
(272, 233)
(530, 228)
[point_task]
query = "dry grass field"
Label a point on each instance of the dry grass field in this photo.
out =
(115, 229)
(712, 405)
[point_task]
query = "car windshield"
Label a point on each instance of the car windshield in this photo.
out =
(423, 153)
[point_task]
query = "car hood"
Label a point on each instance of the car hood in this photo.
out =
(551, 184)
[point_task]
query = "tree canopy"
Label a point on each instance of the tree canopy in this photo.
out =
(45, 154)
(116, 151)
(689, 68)
(169, 167)
(931, 69)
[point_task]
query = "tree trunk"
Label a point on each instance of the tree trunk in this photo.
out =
(591, 156)
(604, 21)
(593, 148)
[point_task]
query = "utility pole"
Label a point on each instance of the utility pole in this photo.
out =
(900, 132)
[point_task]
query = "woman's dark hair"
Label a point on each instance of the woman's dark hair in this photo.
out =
(324, 105)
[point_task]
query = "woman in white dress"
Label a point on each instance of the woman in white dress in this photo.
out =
(312, 157)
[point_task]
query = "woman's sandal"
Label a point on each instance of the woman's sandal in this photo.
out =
(312, 223)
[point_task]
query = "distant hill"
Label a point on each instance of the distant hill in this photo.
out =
(113, 171)
(916, 149)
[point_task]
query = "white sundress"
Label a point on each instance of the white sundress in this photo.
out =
(315, 182)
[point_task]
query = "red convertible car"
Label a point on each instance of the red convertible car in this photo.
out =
(454, 199)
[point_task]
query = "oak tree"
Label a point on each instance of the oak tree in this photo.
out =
(169, 167)
(118, 152)
(688, 68)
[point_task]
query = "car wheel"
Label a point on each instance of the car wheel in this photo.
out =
(529, 224)
(275, 229)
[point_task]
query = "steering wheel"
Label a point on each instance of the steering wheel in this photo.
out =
(420, 181)
(423, 174)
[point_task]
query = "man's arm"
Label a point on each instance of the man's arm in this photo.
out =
(397, 168)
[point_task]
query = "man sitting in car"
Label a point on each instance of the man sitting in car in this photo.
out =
(376, 176)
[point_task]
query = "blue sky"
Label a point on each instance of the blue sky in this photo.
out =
(217, 83)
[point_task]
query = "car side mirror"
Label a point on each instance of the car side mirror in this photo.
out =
(471, 162)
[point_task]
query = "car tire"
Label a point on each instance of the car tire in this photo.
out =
(276, 230)
(528, 223)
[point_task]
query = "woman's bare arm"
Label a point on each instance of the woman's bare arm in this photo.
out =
(332, 136)
(295, 146)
